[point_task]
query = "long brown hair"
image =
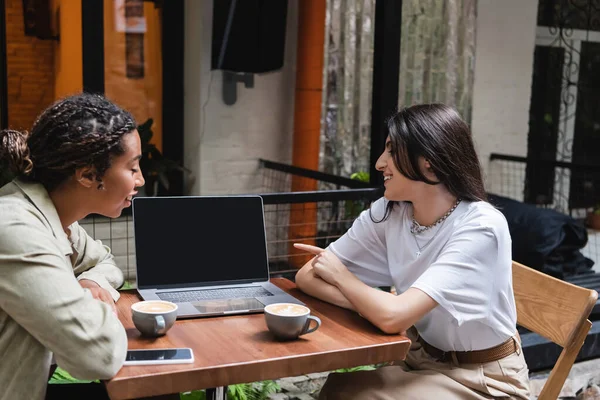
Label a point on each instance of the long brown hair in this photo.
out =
(437, 133)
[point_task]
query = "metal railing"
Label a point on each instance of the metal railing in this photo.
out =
(571, 188)
(307, 206)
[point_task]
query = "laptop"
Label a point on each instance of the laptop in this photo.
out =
(208, 254)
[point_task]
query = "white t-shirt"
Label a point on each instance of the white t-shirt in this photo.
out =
(465, 265)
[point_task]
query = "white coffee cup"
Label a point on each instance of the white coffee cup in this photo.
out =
(153, 317)
(288, 320)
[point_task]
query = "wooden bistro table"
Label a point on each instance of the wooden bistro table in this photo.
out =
(239, 349)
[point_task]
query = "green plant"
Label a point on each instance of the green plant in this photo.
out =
(252, 391)
(61, 376)
(362, 176)
(242, 391)
(193, 395)
(359, 368)
(127, 285)
(154, 165)
(353, 207)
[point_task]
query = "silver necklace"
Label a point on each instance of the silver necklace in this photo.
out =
(422, 248)
(438, 222)
(417, 228)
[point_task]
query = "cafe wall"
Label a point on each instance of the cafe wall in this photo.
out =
(503, 71)
(223, 143)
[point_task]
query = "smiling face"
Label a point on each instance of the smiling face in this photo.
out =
(397, 186)
(122, 178)
(429, 146)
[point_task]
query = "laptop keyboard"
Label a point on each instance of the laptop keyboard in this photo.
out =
(214, 294)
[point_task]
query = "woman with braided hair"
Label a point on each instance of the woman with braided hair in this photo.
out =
(447, 251)
(57, 285)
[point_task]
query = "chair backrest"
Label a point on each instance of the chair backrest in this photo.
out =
(556, 310)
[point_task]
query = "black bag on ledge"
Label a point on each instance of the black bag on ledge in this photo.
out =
(545, 239)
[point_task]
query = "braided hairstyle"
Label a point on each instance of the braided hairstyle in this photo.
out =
(79, 131)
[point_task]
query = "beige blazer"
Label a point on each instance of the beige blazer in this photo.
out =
(43, 309)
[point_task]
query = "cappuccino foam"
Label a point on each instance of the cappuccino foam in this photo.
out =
(287, 310)
(154, 307)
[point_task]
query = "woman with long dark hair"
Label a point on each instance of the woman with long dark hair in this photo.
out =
(57, 285)
(447, 252)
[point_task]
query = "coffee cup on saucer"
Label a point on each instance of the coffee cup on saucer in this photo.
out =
(287, 321)
(153, 317)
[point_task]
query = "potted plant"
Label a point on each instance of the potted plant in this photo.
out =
(593, 218)
(154, 165)
(353, 207)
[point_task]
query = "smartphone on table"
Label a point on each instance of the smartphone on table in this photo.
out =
(159, 356)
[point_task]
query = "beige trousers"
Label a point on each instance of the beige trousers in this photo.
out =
(422, 377)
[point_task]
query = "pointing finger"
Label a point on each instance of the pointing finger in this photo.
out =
(308, 248)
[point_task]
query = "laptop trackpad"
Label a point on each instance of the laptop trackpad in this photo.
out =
(227, 305)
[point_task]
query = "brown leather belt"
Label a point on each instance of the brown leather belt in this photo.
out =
(472, 357)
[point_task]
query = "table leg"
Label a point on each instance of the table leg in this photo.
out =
(219, 393)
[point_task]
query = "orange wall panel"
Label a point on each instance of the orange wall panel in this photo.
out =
(68, 65)
(307, 121)
(30, 70)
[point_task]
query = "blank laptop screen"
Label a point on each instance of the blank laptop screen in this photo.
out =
(195, 241)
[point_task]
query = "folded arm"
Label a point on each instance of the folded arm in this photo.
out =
(309, 283)
(95, 262)
(390, 313)
(39, 292)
